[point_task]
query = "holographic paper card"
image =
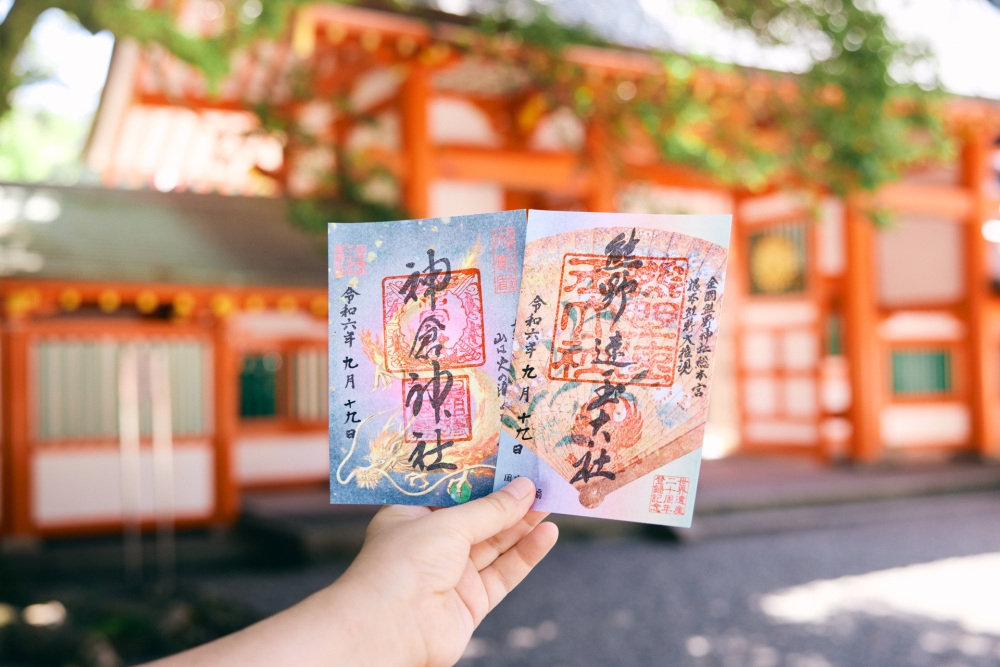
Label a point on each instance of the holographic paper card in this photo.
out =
(421, 324)
(616, 333)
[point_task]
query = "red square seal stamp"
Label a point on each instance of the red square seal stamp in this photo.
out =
(455, 412)
(450, 330)
(348, 260)
(642, 337)
(504, 260)
(669, 495)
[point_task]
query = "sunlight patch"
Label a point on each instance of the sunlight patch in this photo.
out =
(959, 590)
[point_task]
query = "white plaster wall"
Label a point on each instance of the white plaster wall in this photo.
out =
(560, 130)
(945, 423)
(765, 208)
(279, 325)
(759, 349)
(760, 396)
(723, 407)
(835, 384)
(464, 198)
(383, 132)
(648, 198)
(277, 458)
(780, 433)
(76, 485)
(921, 325)
(800, 397)
(830, 251)
(781, 313)
(920, 261)
(799, 350)
(455, 121)
(375, 86)
(836, 429)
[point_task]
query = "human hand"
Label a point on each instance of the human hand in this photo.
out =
(428, 577)
(422, 583)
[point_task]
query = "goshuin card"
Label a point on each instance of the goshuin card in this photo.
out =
(590, 337)
(615, 340)
(421, 327)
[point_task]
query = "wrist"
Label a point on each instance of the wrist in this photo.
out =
(370, 623)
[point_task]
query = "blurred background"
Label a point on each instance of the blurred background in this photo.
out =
(167, 169)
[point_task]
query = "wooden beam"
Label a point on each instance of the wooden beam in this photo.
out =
(983, 358)
(555, 173)
(16, 471)
(671, 175)
(942, 200)
(860, 337)
(418, 160)
(358, 18)
(559, 173)
(517, 199)
(50, 292)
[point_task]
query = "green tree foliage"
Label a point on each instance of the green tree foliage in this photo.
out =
(146, 22)
(37, 145)
(845, 124)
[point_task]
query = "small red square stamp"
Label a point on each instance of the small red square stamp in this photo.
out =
(669, 495)
(455, 413)
(504, 260)
(348, 260)
(505, 284)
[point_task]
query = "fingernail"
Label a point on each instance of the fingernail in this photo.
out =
(520, 488)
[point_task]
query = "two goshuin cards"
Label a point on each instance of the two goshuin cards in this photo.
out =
(575, 349)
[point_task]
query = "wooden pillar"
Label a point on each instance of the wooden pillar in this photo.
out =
(16, 456)
(861, 337)
(417, 149)
(227, 500)
(982, 356)
(603, 185)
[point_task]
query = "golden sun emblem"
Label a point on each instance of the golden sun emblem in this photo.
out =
(775, 265)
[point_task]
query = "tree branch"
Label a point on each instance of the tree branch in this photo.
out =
(13, 32)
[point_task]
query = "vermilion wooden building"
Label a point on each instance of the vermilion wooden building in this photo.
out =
(233, 297)
(844, 341)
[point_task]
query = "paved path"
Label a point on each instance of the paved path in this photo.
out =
(739, 495)
(908, 582)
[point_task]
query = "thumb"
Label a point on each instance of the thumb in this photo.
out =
(487, 516)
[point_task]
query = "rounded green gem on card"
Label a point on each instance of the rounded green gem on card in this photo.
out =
(460, 492)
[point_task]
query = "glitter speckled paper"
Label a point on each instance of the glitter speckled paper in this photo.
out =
(421, 322)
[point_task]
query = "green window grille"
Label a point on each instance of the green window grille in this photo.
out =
(916, 372)
(258, 385)
(777, 260)
(76, 387)
(834, 334)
